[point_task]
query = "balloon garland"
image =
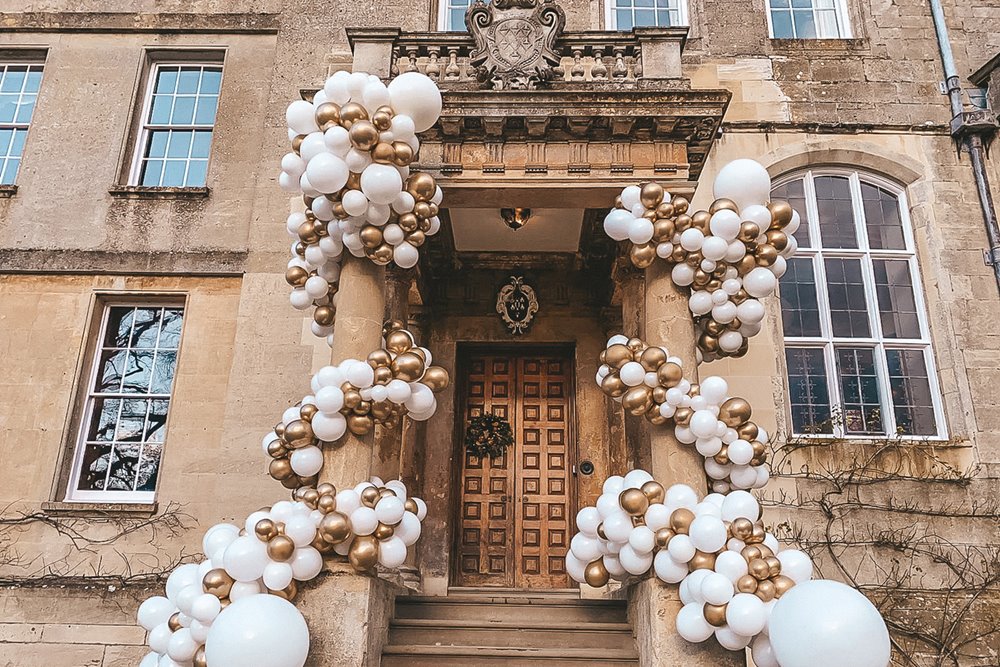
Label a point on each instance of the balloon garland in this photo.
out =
(647, 381)
(730, 255)
(733, 574)
(352, 147)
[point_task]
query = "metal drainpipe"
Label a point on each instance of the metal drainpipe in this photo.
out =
(970, 136)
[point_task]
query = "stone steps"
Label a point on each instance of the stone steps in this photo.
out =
(504, 628)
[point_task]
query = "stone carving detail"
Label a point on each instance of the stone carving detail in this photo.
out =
(517, 304)
(515, 41)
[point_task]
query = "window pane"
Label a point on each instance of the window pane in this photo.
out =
(104, 420)
(805, 24)
(132, 421)
(896, 304)
(911, 392)
(6, 140)
(205, 113)
(794, 193)
(187, 83)
(848, 301)
(119, 329)
(159, 112)
(173, 173)
(836, 215)
(157, 420)
(123, 464)
(9, 174)
(152, 170)
(109, 379)
(808, 393)
(624, 19)
(645, 17)
(201, 144)
(183, 113)
(166, 80)
(8, 108)
(138, 371)
(171, 333)
(149, 467)
(196, 173)
(859, 390)
(179, 145)
(94, 467)
(25, 109)
(157, 146)
(163, 373)
(781, 23)
(885, 228)
(211, 79)
(13, 79)
(799, 305)
(34, 81)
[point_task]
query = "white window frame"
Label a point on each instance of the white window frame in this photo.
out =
(611, 16)
(827, 341)
(843, 21)
(144, 127)
(14, 124)
(444, 11)
(86, 416)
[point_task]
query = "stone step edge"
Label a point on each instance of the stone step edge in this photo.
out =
(447, 624)
(511, 652)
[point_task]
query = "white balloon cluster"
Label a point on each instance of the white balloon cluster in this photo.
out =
(647, 381)
(730, 256)
(203, 621)
(352, 146)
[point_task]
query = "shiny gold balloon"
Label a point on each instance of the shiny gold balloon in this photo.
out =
(778, 239)
(398, 342)
(682, 416)
(402, 153)
(652, 358)
(723, 204)
(353, 181)
(782, 585)
(381, 255)
(643, 256)
(746, 264)
(383, 375)
(651, 195)
(199, 659)
(370, 496)
(334, 528)
(750, 553)
(758, 534)
(663, 230)
(715, 614)
(296, 276)
(596, 574)
(265, 530)
(702, 561)
(352, 399)
(678, 254)
(654, 491)
(722, 456)
(217, 582)
(735, 411)
(663, 537)
(383, 531)
(280, 469)
(741, 528)
(383, 153)
(280, 548)
(378, 358)
(276, 449)
(326, 503)
(680, 204)
(174, 622)
(749, 231)
(773, 564)
(781, 213)
(680, 520)
(759, 569)
(363, 554)
(618, 355)
(371, 236)
(665, 210)
(746, 584)
(416, 239)
(748, 431)
(766, 590)
(613, 386)
(421, 185)
(411, 505)
(409, 222)
(360, 424)
(351, 113)
(633, 501)
(382, 120)
(708, 343)
(327, 115)
(408, 367)
(298, 433)
(766, 254)
(286, 593)
(324, 315)
(637, 399)
(669, 374)
(297, 143)
(422, 209)
(436, 378)
(659, 395)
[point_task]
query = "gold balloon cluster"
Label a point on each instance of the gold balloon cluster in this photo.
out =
(735, 412)
(640, 399)
(416, 225)
(297, 433)
(311, 232)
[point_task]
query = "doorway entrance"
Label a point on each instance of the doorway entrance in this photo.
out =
(515, 512)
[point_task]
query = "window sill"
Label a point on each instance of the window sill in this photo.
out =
(91, 508)
(7, 191)
(148, 192)
(838, 44)
(912, 440)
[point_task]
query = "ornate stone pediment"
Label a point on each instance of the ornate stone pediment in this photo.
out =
(515, 41)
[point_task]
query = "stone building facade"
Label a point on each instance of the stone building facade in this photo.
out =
(95, 224)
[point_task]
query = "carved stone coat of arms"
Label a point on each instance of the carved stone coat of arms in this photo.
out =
(515, 41)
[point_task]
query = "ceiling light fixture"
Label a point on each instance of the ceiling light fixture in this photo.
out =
(515, 218)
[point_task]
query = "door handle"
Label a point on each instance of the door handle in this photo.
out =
(524, 499)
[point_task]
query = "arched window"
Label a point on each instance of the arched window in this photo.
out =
(857, 345)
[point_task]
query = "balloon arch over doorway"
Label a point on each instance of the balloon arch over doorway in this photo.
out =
(352, 145)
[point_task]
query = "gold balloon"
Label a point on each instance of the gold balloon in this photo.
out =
(702, 561)
(734, 412)
(654, 491)
(782, 584)
(680, 204)
(778, 239)
(781, 213)
(750, 553)
(286, 593)
(409, 222)
(353, 181)
(722, 204)
(759, 569)
(766, 254)
(411, 505)
(280, 469)
(326, 489)
(265, 530)
(766, 590)
(678, 254)
(383, 375)
(217, 582)
(715, 614)
(298, 433)
(637, 399)
(378, 358)
(758, 535)
(334, 528)
(407, 367)
(381, 255)
(382, 119)
(659, 395)
(422, 209)
(326, 503)
(436, 378)
(618, 355)
(383, 531)
(722, 457)
(663, 537)
(327, 115)
(741, 528)
(746, 264)
(383, 153)
(174, 622)
(773, 564)
(199, 659)
(398, 342)
(643, 256)
(363, 553)
(746, 584)
(370, 496)
(351, 113)
(748, 431)
(651, 195)
(708, 343)
(307, 412)
(680, 520)
(613, 386)
(416, 239)
(280, 548)
(352, 399)
(633, 501)
(669, 374)
(421, 185)
(360, 424)
(596, 574)
(665, 210)
(297, 143)
(381, 411)
(371, 236)
(296, 276)
(682, 416)
(663, 230)
(402, 153)
(652, 358)
(324, 315)
(276, 449)
(749, 231)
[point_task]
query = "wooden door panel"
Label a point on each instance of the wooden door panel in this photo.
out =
(542, 475)
(486, 534)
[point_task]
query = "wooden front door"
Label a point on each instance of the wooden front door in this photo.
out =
(515, 511)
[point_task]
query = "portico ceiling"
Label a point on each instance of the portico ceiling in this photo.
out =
(547, 230)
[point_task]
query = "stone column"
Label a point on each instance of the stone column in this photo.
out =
(386, 463)
(653, 605)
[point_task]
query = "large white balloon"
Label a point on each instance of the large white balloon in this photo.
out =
(259, 630)
(691, 623)
(154, 611)
(744, 181)
(825, 623)
(246, 558)
(417, 96)
(381, 183)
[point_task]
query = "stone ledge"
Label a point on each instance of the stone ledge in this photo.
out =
(186, 22)
(834, 45)
(7, 191)
(91, 509)
(149, 192)
(214, 263)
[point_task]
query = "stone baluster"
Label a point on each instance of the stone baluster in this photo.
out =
(619, 70)
(452, 72)
(576, 72)
(599, 72)
(411, 56)
(433, 69)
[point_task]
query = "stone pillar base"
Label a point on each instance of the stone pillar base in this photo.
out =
(348, 616)
(652, 610)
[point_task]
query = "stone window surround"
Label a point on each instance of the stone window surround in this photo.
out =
(152, 56)
(611, 23)
(59, 502)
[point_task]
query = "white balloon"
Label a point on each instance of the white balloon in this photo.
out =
(206, 607)
(708, 534)
(717, 589)
(630, 196)
(375, 95)
(405, 255)
(330, 400)
(300, 529)
(740, 504)
(680, 548)
(642, 539)
(632, 373)
(617, 224)
(301, 117)
(242, 589)
(825, 623)
(355, 203)
(700, 302)
(759, 282)
(731, 565)
(392, 552)
(640, 231)
(306, 563)
(259, 630)
(588, 519)
(692, 239)
(381, 183)
(403, 129)
(575, 568)
(245, 558)
(398, 391)
(740, 452)
(634, 479)
(329, 428)
(731, 640)
(746, 614)
(691, 623)
(743, 181)
(154, 611)
(796, 565)
(277, 576)
(618, 526)
(615, 483)
(634, 563)
(714, 248)
(187, 596)
(690, 588)
(730, 341)
(607, 503)
(681, 495)
(151, 660)
(361, 375)
(682, 274)
(363, 521)
(306, 461)
(614, 566)
(703, 423)
(657, 516)
(408, 529)
(667, 569)
(750, 311)
(312, 146)
(763, 652)
(390, 510)
(725, 224)
(417, 96)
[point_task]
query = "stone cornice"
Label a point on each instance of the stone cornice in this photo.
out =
(165, 22)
